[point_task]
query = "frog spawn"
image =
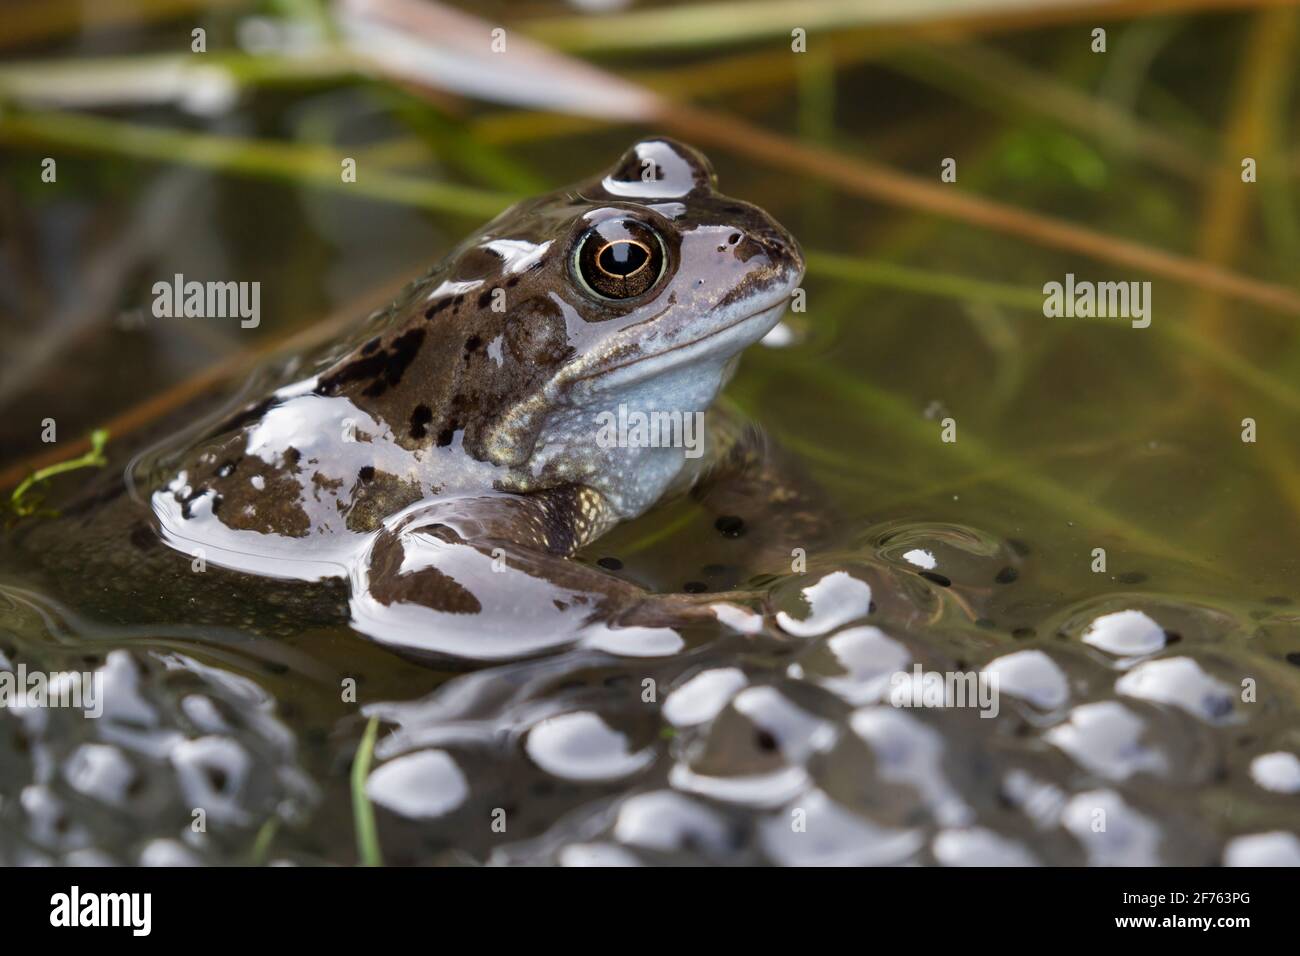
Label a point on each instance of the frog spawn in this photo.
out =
(1112, 745)
(1121, 738)
(175, 737)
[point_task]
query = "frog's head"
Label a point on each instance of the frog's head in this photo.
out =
(652, 282)
(634, 290)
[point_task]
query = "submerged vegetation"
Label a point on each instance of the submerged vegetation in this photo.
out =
(24, 504)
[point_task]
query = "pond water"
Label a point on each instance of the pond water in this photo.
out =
(1095, 518)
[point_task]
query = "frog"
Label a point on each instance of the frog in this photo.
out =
(450, 457)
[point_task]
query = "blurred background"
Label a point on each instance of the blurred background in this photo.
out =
(924, 297)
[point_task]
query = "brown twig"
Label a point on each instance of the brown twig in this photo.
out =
(156, 406)
(882, 184)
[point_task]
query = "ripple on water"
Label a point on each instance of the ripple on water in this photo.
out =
(950, 554)
(702, 697)
(1110, 740)
(672, 823)
(1180, 682)
(977, 846)
(583, 747)
(1125, 634)
(1032, 676)
(856, 664)
(815, 831)
(1278, 771)
(1276, 848)
(423, 785)
(1111, 831)
(833, 601)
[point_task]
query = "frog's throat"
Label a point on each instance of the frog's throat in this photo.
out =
(512, 438)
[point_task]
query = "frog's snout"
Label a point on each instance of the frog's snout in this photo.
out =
(784, 250)
(763, 235)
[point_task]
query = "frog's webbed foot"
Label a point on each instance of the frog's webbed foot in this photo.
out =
(446, 582)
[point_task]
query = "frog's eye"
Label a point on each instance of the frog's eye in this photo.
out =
(619, 259)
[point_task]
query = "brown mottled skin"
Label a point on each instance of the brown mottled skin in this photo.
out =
(471, 401)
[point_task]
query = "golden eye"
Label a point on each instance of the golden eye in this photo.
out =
(620, 259)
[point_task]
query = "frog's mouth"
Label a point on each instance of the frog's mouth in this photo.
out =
(716, 345)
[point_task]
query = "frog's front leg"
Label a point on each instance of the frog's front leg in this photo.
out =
(490, 577)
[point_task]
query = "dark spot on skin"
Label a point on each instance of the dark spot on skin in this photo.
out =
(427, 586)
(419, 418)
(1293, 658)
(730, 526)
(512, 282)
(1172, 637)
(1023, 633)
(871, 607)
(485, 298)
(189, 499)
(1131, 577)
(433, 310)
(472, 344)
(610, 564)
(695, 587)
(370, 346)
(401, 353)
(447, 434)
(1007, 575)
(367, 472)
(766, 742)
(385, 368)
(937, 578)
